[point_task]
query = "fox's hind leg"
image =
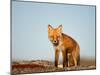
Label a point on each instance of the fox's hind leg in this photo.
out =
(74, 59)
(68, 60)
(78, 60)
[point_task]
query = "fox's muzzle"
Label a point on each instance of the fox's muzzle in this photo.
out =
(56, 42)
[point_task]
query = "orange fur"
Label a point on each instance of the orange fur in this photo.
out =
(68, 46)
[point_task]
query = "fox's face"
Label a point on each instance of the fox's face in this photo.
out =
(55, 34)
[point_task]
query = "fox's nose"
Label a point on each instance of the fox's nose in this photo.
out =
(55, 41)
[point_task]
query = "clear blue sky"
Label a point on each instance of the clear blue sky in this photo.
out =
(30, 34)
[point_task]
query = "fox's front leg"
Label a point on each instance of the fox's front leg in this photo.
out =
(56, 57)
(64, 58)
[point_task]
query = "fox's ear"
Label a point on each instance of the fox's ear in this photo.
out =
(50, 27)
(60, 28)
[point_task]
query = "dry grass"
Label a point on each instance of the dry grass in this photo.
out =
(35, 66)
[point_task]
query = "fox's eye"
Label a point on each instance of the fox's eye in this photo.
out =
(58, 37)
(51, 39)
(51, 36)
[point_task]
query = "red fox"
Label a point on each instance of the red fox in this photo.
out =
(67, 45)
